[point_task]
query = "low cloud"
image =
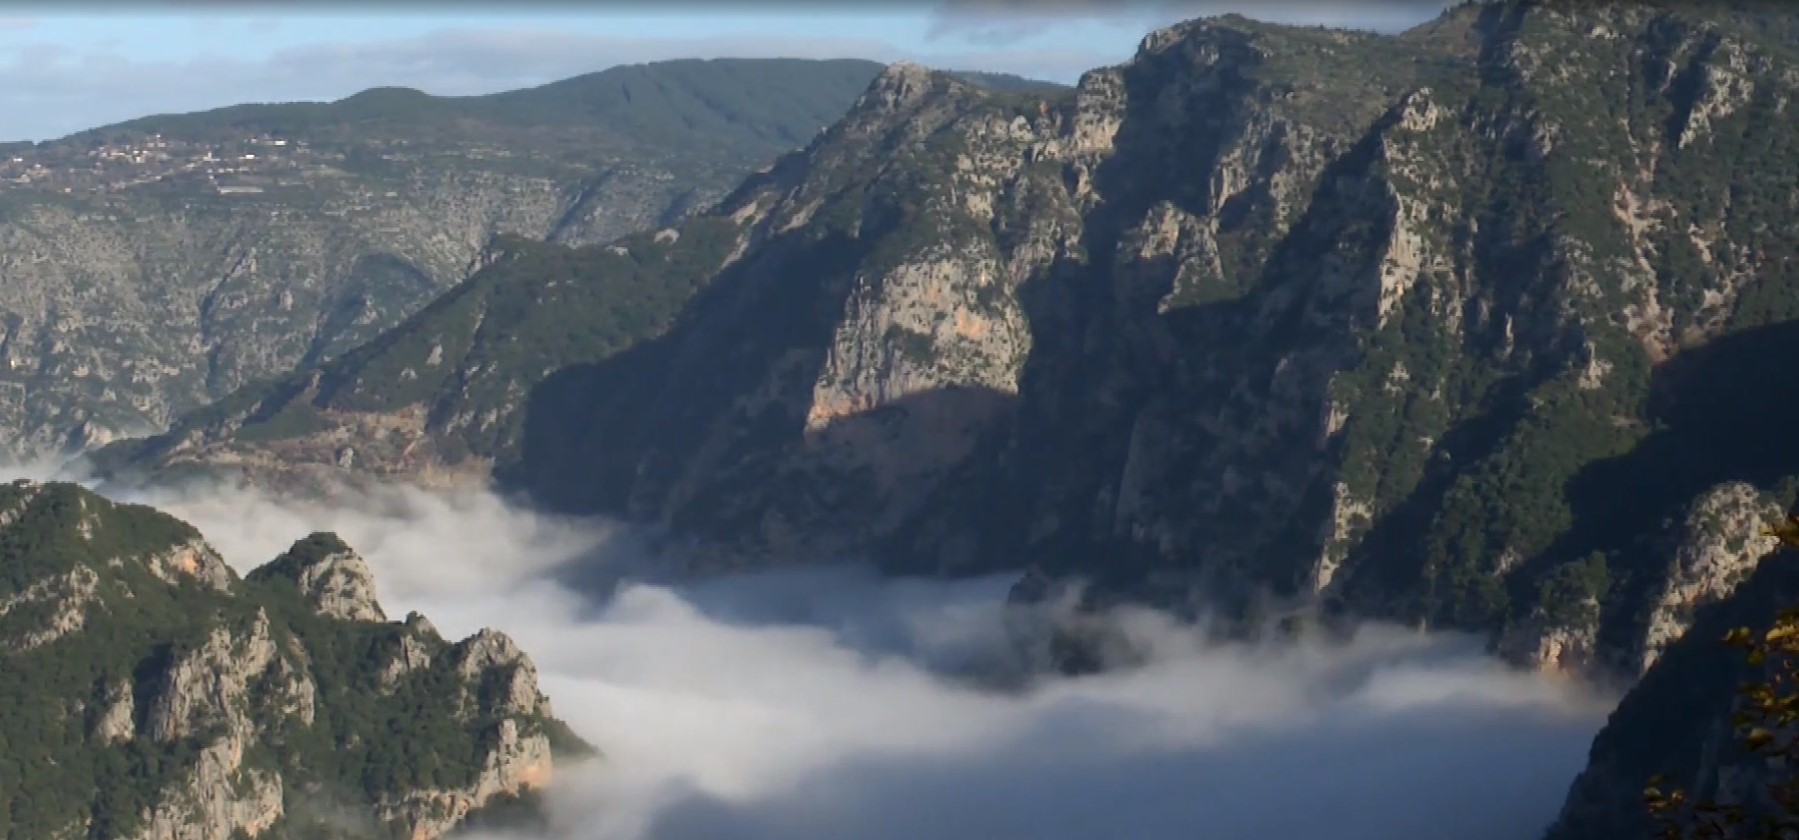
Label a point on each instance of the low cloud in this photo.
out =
(1011, 21)
(817, 704)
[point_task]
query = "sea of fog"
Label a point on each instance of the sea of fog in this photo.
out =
(828, 703)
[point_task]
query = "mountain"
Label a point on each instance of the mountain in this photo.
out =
(154, 266)
(1677, 722)
(1413, 327)
(147, 691)
(442, 394)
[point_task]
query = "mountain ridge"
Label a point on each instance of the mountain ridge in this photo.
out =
(601, 92)
(585, 100)
(250, 253)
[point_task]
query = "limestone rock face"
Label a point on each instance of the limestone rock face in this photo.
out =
(220, 799)
(412, 649)
(1676, 721)
(1719, 543)
(209, 685)
(193, 560)
(200, 672)
(515, 763)
(66, 599)
(333, 579)
(509, 677)
(1567, 648)
(117, 719)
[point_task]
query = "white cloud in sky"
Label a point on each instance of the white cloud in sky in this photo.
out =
(1011, 21)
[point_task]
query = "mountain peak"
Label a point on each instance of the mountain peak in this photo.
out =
(332, 578)
(903, 84)
(510, 674)
(902, 69)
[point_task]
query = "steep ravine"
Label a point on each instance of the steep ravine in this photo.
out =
(1411, 327)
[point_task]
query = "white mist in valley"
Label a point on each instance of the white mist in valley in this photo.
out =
(829, 703)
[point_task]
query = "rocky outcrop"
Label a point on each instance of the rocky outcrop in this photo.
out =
(219, 799)
(517, 760)
(117, 717)
(334, 580)
(1719, 544)
(1704, 553)
(209, 686)
(63, 600)
(411, 649)
(1567, 647)
(509, 677)
(514, 764)
(191, 560)
(1677, 721)
(198, 681)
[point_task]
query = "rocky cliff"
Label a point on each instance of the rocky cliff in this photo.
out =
(148, 692)
(1678, 722)
(152, 267)
(1454, 327)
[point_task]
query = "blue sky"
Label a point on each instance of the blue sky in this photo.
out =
(76, 66)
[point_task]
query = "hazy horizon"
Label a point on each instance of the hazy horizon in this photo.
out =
(81, 67)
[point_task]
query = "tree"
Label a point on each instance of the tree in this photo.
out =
(1766, 726)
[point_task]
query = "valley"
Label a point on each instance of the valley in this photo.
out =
(1407, 397)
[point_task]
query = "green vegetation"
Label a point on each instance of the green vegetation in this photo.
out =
(912, 345)
(292, 420)
(1008, 83)
(62, 526)
(1570, 595)
(479, 349)
(51, 776)
(469, 360)
(542, 308)
(1510, 486)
